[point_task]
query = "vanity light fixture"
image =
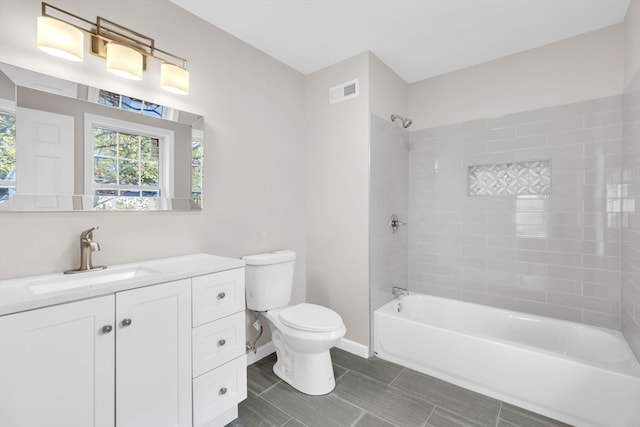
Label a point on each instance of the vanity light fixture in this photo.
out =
(126, 51)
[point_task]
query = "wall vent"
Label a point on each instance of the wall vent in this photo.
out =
(344, 91)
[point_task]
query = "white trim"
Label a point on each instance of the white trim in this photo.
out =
(353, 347)
(8, 106)
(262, 352)
(166, 167)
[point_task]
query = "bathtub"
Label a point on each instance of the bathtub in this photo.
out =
(579, 374)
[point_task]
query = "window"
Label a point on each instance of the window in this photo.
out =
(7, 152)
(127, 159)
(197, 161)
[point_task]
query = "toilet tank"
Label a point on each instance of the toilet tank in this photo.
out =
(269, 279)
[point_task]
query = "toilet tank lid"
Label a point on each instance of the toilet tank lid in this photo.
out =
(267, 258)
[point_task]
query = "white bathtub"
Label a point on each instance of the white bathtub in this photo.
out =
(579, 374)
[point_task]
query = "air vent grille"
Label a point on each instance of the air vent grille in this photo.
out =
(344, 91)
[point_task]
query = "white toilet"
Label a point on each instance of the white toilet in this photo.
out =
(303, 333)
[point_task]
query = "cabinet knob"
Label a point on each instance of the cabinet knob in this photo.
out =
(106, 329)
(221, 295)
(126, 322)
(222, 342)
(222, 391)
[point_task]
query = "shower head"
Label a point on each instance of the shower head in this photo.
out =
(405, 121)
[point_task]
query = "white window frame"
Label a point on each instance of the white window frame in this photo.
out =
(7, 106)
(197, 135)
(166, 137)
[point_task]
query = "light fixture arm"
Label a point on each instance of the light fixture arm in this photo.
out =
(104, 31)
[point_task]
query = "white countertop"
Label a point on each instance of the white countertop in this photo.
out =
(17, 295)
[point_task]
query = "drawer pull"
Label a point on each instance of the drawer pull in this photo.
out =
(126, 322)
(106, 329)
(221, 295)
(222, 391)
(222, 342)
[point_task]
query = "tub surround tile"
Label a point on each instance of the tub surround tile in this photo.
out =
(388, 403)
(559, 242)
(630, 217)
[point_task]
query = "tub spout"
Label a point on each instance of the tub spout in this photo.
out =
(396, 290)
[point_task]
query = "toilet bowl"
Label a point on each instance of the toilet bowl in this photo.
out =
(303, 358)
(302, 334)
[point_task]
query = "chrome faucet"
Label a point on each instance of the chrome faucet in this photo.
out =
(87, 247)
(396, 290)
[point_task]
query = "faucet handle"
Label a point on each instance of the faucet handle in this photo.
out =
(88, 234)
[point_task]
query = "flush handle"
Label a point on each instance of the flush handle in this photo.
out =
(106, 329)
(222, 342)
(126, 322)
(221, 295)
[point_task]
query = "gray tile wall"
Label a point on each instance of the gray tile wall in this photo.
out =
(630, 215)
(388, 194)
(556, 255)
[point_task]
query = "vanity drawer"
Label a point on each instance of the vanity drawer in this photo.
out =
(219, 390)
(217, 342)
(217, 295)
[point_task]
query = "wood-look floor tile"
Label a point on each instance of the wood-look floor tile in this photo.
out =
(320, 411)
(471, 405)
(513, 416)
(386, 402)
(256, 412)
(373, 367)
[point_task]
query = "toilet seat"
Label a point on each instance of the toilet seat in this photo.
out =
(310, 317)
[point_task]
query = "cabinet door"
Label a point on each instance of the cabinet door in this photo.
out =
(153, 356)
(57, 366)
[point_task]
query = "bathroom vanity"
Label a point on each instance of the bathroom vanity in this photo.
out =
(157, 343)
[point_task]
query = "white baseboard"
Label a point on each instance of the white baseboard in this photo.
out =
(353, 347)
(344, 344)
(263, 351)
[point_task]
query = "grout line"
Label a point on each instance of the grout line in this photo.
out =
(269, 388)
(396, 377)
(430, 413)
(358, 419)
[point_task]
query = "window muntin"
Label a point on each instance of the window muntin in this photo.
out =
(197, 162)
(7, 154)
(127, 163)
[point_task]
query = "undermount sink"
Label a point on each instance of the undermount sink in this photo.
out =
(66, 282)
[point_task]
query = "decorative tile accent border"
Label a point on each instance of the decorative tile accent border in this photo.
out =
(508, 179)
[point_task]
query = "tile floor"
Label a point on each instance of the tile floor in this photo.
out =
(374, 393)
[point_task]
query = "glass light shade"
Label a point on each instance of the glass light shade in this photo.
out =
(60, 39)
(174, 79)
(124, 61)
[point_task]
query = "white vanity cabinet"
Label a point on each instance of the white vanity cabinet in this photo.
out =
(57, 363)
(153, 356)
(219, 361)
(160, 354)
(56, 366)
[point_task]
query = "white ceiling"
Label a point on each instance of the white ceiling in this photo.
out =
(416, 38)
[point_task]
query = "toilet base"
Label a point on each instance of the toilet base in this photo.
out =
(309, 373)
